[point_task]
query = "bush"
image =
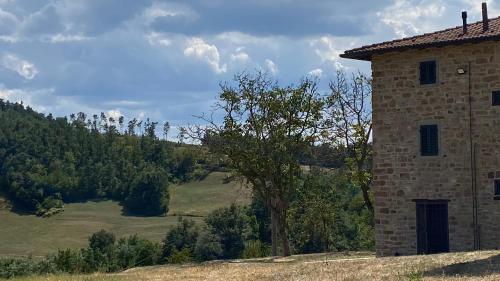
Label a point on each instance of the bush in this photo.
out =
(182, 256)
(69, 261)
(255, 249)
(10, 268)
(229, 226)
(135, 251)
(207, 247)
(50, 206)
(100, 254)
(182, 237)
(148, 195)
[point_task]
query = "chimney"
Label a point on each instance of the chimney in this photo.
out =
(485, 17)
(464, 19)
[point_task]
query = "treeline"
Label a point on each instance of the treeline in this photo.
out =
(326, 214)
(46, 161)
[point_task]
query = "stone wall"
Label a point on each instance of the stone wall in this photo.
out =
(400, 106)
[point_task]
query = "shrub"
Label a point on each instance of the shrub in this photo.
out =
(182, 256)
(100, 254)
(148, 195)
(10, 268)
(102, 241)
(135, 251)
(69, 261)
(50, 206)
(182, 236)
(207, 247)
(229, 226)
(255, 249)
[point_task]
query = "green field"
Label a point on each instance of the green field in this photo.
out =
(22, 235)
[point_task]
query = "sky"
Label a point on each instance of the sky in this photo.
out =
(165, 59)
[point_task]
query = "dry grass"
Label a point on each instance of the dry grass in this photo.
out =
(362, 266)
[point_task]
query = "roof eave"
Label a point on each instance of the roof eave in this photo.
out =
(357, 56)
(367, 55)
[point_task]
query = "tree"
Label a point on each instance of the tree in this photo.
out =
(148, 195)
(265, 131)
(166, 128)
(229, 225)
(313, 213)
(182, 237)
(351, 126)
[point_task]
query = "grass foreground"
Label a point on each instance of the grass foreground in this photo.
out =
(27, 234)
(484, 265)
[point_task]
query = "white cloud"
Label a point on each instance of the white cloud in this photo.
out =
(47, 101)
(407, 18)
(8, 22)
(329, 49)
(126, 103)
(114, 113)
(63, 38)
(200, 50)
(317, 72)
(22, 67)
(271, 66)
(42, 100)
(159, 10)
(240, 56)
(9, 39)
(158, 39)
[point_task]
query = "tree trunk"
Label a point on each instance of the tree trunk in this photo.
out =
(274, 232)
(283, 229)
(366, 198)
(286, 243)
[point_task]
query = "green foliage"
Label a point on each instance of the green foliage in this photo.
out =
(182, 256)
(327, 214)
(10, 268)
(255, 249)
(148, 195)
(266, 131)
(135, 251)
(45, 161)
(100, 254)
(229, 226)
(208, 247)
(50, 206)
(69, 261)
(182, 237)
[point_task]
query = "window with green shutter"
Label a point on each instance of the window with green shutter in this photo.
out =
(497, 189)
(428, 72)
(495, 98)
(429, 140)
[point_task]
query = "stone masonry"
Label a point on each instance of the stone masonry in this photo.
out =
(400, 174)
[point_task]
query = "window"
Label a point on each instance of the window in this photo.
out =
(428, 72)
(497, 189)
(495, 98)
(429, 140)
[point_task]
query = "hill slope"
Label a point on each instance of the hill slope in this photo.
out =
(360, 267)
(32, 235)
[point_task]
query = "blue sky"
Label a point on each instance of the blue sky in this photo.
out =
(165, 59)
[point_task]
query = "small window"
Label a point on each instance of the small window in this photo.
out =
(428, 72)
(495, 98)
(497, 189)
(429, 140)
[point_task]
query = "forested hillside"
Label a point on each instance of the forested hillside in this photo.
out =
(45, 161)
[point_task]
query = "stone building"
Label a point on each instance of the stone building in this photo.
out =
(436, 139)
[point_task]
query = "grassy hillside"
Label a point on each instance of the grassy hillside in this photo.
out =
(354, 267)
(31, 235)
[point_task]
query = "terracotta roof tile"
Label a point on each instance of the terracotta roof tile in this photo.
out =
(451, 36)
